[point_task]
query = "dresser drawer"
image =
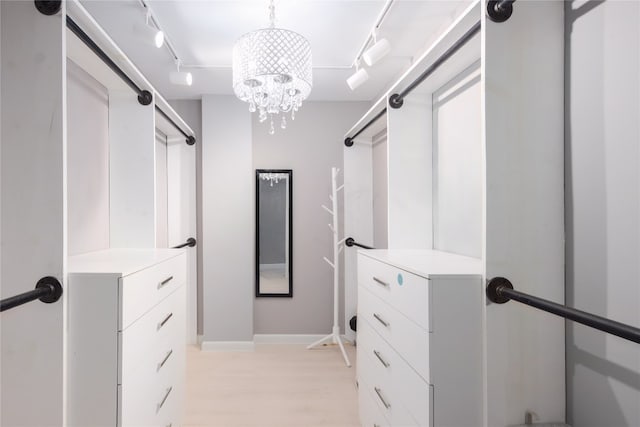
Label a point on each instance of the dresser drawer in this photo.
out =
(144, 401)
(405, 336)
(144, 289)
(153, 341)
(402, 386)
(404, 291)
(370, 414)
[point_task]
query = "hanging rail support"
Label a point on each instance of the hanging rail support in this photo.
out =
(190, 138)
(500, 290)
(350, 242)
(48, 290)
(397, 99)
(48, 7)
(191, 242)
(500, 10)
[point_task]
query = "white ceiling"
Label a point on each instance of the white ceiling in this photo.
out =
(203, 34)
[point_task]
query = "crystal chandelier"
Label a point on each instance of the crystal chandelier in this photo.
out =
(273, 177)
(272, 71)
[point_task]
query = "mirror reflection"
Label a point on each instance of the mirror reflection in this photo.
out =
(273, 233)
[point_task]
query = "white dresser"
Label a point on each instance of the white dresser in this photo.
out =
(419, 339)
(126, 338)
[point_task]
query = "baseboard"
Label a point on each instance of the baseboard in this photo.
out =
(227, 346)
(287, 338)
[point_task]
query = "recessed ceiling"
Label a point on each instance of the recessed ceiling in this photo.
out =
(204, 32)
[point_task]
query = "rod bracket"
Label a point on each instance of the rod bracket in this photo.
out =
(191, 140)
(191, 242)
(54, 286)
(145, 97)
(396, 101)
(348, 142)
(48, 7)
(499, 10)
(349, 241)
(495, 287)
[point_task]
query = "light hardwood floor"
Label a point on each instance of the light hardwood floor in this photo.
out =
(278, 385)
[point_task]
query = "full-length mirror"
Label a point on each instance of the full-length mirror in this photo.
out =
(273, 233)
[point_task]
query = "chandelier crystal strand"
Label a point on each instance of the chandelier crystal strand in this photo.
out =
(272, 71)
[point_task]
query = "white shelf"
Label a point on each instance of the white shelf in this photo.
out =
(428, 263)
(122, 262)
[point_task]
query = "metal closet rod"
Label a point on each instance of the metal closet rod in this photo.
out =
(48, 290)
(191, 242)
(500, 290)
(396, 100)
(144, 96)
(350, 242)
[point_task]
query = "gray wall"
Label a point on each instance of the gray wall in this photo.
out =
(310, 145)
(602, 123)
(88, 162)
(272, 232)
(191, 113)
(228, 220)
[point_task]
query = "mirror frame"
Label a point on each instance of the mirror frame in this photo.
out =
(257, 231)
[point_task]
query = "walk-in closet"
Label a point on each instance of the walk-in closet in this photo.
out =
(343, 213)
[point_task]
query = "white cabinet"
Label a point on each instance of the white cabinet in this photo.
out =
(419, 339)
(126, 337)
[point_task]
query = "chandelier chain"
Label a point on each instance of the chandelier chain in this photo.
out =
(272, 14)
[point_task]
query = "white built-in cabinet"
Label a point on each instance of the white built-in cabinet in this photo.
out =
(419, 358)
(37, 363)
(474, 168)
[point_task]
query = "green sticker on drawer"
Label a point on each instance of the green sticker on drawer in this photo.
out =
(400, 279)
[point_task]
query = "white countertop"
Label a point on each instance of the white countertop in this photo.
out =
(119, 261)
(427, 263)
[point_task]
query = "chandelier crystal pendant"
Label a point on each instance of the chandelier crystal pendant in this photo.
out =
(272, 71)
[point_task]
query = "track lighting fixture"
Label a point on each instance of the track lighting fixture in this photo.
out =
(156, 34)
(178, 77)
(357, 78)
(376, 52)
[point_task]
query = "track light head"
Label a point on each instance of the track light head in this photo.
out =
(357, 78)
(376, 52)
(182, 78)
(158, 38)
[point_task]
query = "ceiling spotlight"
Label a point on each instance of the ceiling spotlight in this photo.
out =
(376, 52)
(155, 33)
(357, 78)
(182, 78)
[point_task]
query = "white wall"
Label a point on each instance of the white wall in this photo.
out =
(228, 237)
(602, 148)
(88, 162)
(380, 191)
(310, 146)
(457, 165)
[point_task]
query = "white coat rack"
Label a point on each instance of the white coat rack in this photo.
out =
(338, 246)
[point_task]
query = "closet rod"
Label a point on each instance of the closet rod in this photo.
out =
(191, 242)
(190, 138)
(350, 242)
(500, 290)
(48, 290)
(396, 100)
(348, 141)
(144, 96)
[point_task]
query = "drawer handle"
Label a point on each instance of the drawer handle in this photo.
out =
(383, 283)
(381, 320)
(384, 362)
(166, 319)
(161, 364)
(164, 282)
(384, 402)
(164, 399)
